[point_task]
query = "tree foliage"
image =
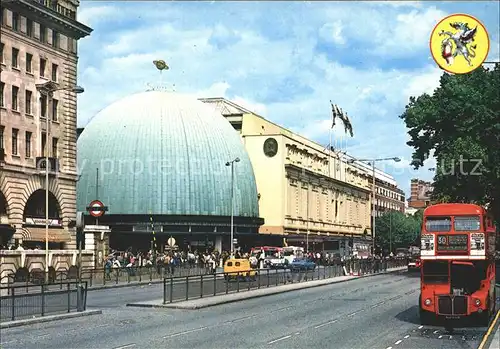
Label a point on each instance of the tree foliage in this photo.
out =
(399, 228)
(461, 123)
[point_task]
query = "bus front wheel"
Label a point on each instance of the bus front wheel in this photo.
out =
(426, 318)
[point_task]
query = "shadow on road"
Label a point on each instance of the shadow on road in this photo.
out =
(410, 315)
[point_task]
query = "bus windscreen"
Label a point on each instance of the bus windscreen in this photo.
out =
(435, 272)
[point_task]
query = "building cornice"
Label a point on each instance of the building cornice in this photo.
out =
(62, 23)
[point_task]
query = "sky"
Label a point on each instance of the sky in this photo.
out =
(282, 60)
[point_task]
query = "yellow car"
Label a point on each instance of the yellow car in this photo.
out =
(239, 268)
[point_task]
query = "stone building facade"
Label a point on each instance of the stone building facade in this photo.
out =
(309, 196)
(38, 45)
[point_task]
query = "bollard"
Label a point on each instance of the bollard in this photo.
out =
(187, 287)
(201, 286)
(43, 300)
(258, 281)
(268, 278)
(13, 303)
(215, 284)
(226, 276)
(238, 282)
(171, 289)
(68, 292)
(164, 290)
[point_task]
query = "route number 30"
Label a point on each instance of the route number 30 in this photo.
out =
(442, 240)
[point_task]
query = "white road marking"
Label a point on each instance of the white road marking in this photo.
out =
(185, 332)
(326, 323)
(389, 348)
(407, 336)
(297, 333)
(420, 327)
(43, 335)
(440, 337)
(436, 331)
(125, 346)
(279, 339)
(352, 314)
(399, 341)
(243, 318)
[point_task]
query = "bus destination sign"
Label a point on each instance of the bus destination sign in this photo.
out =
(449, 243)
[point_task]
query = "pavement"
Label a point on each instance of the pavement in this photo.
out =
(375, 312)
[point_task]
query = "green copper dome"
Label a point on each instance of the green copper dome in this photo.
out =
(164, 153)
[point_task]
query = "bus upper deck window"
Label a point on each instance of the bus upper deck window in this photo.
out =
(471, 223)
(438, 224)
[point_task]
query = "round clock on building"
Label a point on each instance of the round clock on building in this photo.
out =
(270, 147)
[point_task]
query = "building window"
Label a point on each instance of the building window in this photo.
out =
(28, 144)
(43, 64)
(1, 137)
(30, 27)
(55, 106)
(1, 52)
(15, 58)
(55, 142)
(2, 87)
(15, 96)
(28, 101)
(43, 106)
(43, 34)
(15, 133)
(44, 143)
(15, 22)
(72, 45)
(55, 39)
(29, 63)
(54, 72)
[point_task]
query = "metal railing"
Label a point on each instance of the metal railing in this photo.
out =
(16, 303)
(177, 289)
(101, 276)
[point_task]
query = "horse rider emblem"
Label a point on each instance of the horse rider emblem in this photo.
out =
(459, 44)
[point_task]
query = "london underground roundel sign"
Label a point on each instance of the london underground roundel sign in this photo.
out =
(96, 208)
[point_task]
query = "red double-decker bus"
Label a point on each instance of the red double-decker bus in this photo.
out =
(458, 263)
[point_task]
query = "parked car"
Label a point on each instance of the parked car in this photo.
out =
(414, 264)
(301, 264)
(275, 262)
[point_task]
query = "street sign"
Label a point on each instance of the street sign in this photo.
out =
(171, 242)
(96, 208)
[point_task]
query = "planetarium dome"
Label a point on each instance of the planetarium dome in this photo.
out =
(164, 153)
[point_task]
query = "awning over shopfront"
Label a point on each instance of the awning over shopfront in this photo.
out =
(38, 234)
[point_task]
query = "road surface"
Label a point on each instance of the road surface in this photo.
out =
(28, 305)
(375, 312)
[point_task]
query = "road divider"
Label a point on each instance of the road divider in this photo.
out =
(203, 302)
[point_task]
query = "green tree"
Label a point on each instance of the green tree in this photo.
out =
(397, 229)
(460, 121)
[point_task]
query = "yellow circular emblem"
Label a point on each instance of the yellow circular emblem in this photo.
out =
(459, 43)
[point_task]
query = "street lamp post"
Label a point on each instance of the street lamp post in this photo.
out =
(48, 89)
(231, 163)
(373, 161)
